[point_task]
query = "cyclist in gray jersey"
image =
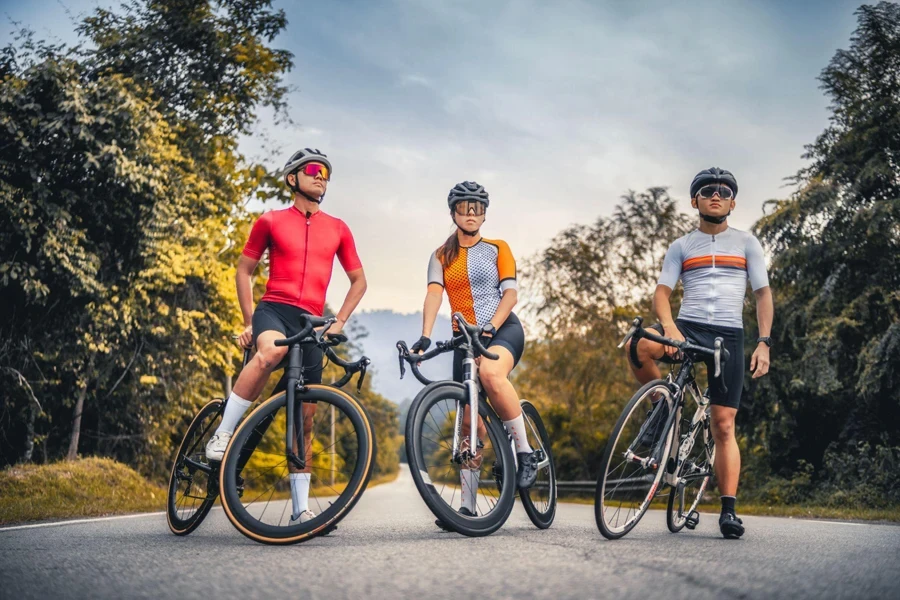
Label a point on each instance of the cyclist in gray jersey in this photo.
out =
(714, 263)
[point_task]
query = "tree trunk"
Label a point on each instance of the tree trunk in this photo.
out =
(76, 425)
(28, 455)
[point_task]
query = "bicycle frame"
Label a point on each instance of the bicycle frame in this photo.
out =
(675, 398)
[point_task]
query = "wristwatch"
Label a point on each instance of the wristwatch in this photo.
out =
(489, 329)
(766, 340)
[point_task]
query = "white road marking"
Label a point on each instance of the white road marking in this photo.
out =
(77, 521)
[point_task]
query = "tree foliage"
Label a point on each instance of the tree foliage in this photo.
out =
(121, 204)
(835, 243)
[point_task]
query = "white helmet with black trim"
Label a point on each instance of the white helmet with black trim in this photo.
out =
(300, 158)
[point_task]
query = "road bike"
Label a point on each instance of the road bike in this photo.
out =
(439, 448)
(252, 478)
(654, 442)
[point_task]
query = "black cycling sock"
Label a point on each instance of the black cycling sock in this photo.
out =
(728, 504)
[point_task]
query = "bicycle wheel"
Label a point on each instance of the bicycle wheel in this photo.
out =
(194, 483)
(696, 457)
(340, 454)
(440, 477)
(633, 461)
(539, 500)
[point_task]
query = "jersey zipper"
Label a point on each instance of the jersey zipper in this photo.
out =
(710, 315)
(305, 259)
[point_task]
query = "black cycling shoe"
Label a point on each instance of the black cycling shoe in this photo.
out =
(463, 511)
(652, 427)
(730, 526)
(526, 474)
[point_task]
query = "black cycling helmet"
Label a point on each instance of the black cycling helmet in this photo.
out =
(468, 190)
(713, 175)
(300, 158)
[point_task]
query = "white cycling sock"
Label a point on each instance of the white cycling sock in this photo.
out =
(299, 492)
(234, 410)
(517, 429)
(469, 479)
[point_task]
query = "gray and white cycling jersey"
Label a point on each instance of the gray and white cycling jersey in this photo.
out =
(714, 270)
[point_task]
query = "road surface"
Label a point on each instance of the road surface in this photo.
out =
(388, 547)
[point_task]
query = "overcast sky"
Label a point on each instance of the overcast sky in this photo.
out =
(556, 108)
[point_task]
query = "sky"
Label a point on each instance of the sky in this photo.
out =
(556, 108)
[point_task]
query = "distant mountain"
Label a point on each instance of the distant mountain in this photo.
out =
(384, 328)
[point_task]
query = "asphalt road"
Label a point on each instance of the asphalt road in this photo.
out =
(389, 548)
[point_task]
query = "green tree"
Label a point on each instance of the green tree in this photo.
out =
(835, 385)
(121, 195)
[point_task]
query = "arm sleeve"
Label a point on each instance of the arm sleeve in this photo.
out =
(756, 264)
(671, 269)
(346, 251)
(435, 270)
(259, 238)
(506, 267)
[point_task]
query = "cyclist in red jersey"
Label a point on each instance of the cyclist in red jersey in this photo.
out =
(302, 242)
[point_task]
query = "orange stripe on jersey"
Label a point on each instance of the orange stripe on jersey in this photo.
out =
(722, 260)
(459, 288)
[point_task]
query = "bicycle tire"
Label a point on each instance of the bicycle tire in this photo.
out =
(702, 461)
(542, 516)
(346, 499)
(193, 444)
(600, 503)
(469, 526)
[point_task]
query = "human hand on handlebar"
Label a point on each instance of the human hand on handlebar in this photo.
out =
(336, 328)
(421, 345)
(245, 339)
(672, 332)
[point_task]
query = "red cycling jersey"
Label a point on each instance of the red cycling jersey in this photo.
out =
(301, 255)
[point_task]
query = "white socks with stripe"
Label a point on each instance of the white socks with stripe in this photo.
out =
(517, 429)
(469, 479)
(299, 493)
(234, 410)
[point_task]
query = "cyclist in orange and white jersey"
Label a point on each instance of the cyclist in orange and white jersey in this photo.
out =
(479, 276)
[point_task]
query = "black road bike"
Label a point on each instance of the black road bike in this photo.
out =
(252, 476)
(438, 449)
(655, 443)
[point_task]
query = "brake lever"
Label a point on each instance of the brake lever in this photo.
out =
(362, 375)
(320, 335)
(402, 366)
(717, 356)
(628, 336)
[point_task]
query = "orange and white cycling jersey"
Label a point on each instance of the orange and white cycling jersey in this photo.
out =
(476, 280)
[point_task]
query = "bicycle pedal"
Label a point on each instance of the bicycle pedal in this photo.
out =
(692, 520)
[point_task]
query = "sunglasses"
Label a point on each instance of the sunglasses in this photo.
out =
(313, 169)
(707, 191)
(463, 208)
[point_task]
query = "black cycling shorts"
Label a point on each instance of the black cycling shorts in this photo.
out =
(733, 372)
(510, 335)
(273, 316)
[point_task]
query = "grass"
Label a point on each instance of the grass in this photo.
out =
(883, 515)
(88, 487)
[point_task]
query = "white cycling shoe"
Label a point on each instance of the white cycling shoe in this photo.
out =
(303, 517)
(215, 447)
